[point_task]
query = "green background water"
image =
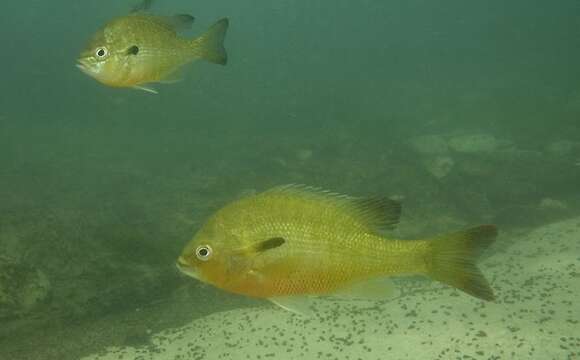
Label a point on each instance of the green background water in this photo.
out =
(100, 187)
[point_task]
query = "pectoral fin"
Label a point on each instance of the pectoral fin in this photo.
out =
(297, 304)
(269, 244)
(261, 246)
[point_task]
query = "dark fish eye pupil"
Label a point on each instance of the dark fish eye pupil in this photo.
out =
(101, 52)
(203, 252)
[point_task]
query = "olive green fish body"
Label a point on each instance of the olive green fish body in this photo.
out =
(159, 51)
(295, 240)
(140, 48)
(325, 247)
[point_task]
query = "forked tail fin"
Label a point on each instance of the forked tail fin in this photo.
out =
(453, 260)
(210, 45)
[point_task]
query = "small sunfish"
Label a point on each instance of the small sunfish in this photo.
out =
(140, 48)
(294, 242)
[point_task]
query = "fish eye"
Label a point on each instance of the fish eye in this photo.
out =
(101, 52)
(203, 252)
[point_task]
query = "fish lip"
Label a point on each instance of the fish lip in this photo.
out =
(83, 66)
(185, 269)
(81, 63)
(181, 262)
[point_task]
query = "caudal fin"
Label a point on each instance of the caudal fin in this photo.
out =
(210, 46)
(454, 256)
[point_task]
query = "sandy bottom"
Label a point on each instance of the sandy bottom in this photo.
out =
(536, 277)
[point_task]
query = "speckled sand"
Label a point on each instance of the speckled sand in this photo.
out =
(537, 316)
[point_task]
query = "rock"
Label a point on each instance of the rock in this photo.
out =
(429, 145)
(573, 102)
(553, 204)
(11, 244)
(477, 167)
(562, 148)
(304, 154)
(535, 316)
(474, 143)
(22, 288)
(439, 166)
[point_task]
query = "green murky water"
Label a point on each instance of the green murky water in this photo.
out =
(467, 111)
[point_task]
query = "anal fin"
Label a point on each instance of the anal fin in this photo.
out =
(378, 289)
(145, 88)
(299, 304)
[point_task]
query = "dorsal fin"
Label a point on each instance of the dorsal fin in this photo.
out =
(381, 212)
(377, 213)
(143, 5)
(177, 23)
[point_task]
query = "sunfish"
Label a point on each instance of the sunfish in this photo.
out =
(139, 49)
(294, 242)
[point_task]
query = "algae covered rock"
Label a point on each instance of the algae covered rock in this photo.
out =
(429, 145)
(475, 143)
(562, 148)
(439, 166)
(471, 143)
(22, 288)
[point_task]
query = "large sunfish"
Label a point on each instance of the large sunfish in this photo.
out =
(139, 49)
(292, 242)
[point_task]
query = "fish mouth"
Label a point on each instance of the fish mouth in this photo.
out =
(184, 268)
(83, 65)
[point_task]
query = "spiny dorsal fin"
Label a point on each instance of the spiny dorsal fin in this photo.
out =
(175, 23)
(381, 212)
(377, 213)
(143, 5)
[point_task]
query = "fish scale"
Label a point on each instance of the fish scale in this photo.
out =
(140, 48)
(294, 241)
